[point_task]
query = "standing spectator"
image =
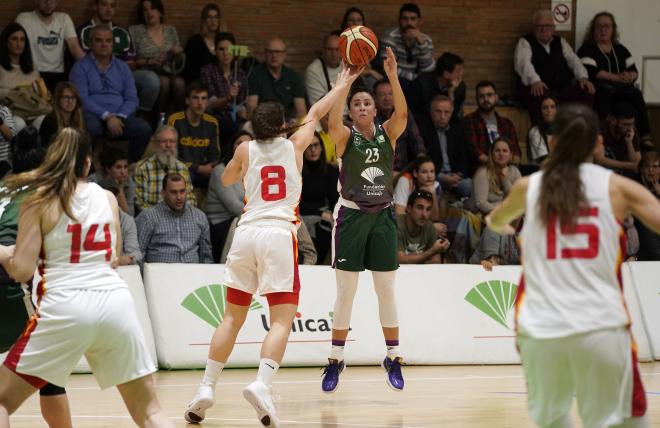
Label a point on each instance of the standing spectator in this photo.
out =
(417, 239)
(484, 126)
(122, 46)
(273, 81)
(493, 182)
(17, 70)
(7, 132)
(649, 241)
(538, 136)
(198, 147)
(412, 48)
(452, 155)
(173, 231)
(200, 48)
(48, 32)
(158, 50)
(318, 196)
(224, 203)
(446, 79)
(621, 141)
(352, 17)
(546, 64)
(149, 172)
(612, 69)
(67, 112)
(107, 89)
(227, 87)
(322, 72)
(410, 144)
(115, 176)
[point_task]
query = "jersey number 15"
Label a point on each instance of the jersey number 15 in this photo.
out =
(590, 230)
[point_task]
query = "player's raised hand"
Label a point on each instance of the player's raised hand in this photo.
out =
(389, 65)
(348, 74)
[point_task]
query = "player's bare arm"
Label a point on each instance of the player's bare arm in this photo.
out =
(236, 167)
(629, 196)
(396, 124)
(510, 209)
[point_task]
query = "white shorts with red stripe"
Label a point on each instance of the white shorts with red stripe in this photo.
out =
(263, 259)
(600, 368)
(100, 324)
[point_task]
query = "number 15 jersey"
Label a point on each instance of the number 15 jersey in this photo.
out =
(572, 277)
(272, 182)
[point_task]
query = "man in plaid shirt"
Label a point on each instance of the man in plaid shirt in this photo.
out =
(484, 126)
(149, 173)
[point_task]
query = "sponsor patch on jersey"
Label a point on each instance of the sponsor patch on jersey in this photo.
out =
(371, 173)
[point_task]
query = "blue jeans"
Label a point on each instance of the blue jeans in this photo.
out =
(148, 88)
(136, 130)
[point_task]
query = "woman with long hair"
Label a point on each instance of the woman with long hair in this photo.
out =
(70, 228)
(493, 181)
(67, 112)
(537, 138)
(200, 48)
(573, 327)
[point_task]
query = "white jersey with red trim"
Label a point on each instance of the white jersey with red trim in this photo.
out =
(77, 253)
(572, 278)
(272, 182)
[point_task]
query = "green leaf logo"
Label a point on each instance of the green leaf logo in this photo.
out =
(494, 298)
(208, 303)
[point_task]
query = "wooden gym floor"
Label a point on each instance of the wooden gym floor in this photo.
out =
(435, 396)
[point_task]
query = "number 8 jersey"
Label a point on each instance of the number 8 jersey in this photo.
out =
(272, 182)
(77, 253)
(572, 277)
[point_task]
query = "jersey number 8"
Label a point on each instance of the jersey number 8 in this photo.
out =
(273, 184)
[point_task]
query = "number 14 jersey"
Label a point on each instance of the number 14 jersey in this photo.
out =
(572, 277)
(272, 182)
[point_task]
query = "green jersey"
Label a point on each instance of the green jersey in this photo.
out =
(365, 171)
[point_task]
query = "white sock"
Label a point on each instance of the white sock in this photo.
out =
(267, 370)
(212, 372)
(337, 353)
(392, 352)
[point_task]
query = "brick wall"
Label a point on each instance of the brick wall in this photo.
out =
(483, 32)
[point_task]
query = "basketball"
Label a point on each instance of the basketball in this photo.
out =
(358, 45)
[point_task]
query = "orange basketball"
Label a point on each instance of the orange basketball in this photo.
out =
(358, 45)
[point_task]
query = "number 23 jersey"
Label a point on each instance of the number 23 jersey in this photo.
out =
(572, 277)
(272, 182)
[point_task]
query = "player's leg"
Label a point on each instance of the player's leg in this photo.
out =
(14, 390)
(55, 406)
(139, 395)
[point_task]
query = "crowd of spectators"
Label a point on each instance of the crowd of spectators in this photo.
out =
(165, 118)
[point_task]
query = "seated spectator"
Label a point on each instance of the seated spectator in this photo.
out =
(67, 112)
(412, 48)
(612, 70)
(621, 141)
(115, 176)
(328, 144)
(495, 249)
(107, 89)
(200, 48)
(224, 203)
(17, 72)
(274, 81)
(306, 250)
(198, 147)
(227, 87)
(48, 33)
(149, 172)
(7, 132)
(421, 177)
(122, 46)
(649, 242)
(322, 72)
(493, 181)
(410, 144)
(417, 239)
(173, 231)
(318, 196)
(452, 155)
(446, 79)
(352, 17)
(537, 138)
(158, 51)
(130, 248)
(547, 65)
(485, 126)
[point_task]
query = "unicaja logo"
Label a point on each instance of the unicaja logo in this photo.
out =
(208, 303)
(371, 173)
(493, 298)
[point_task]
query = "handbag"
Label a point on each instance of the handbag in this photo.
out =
(25, 102)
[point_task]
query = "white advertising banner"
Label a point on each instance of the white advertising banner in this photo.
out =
(646, 277)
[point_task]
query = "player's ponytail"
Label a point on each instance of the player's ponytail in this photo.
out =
(268, 121)
(575, 130)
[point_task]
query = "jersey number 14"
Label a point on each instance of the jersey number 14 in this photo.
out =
(89, 244)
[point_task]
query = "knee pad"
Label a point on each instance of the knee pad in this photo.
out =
(51, 389)
(384, 286)
(346, 288)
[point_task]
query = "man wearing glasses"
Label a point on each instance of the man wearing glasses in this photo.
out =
(273, 81)
(547, 66)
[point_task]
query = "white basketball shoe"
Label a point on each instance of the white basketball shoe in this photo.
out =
(196, 411)
(260, 396)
